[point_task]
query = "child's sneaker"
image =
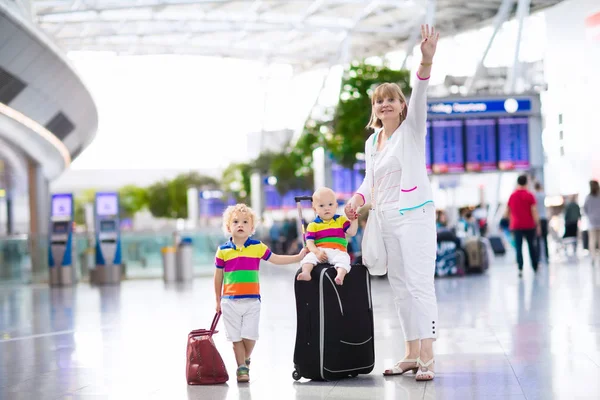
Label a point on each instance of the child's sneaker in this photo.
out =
(243, 374)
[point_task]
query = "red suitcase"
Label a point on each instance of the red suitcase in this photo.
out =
(204, 365)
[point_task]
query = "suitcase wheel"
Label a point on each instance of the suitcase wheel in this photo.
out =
(354, 374)
(296, 375)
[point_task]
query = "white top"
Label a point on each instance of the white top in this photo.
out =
(405, 151)
(388, 172)
(541, 207)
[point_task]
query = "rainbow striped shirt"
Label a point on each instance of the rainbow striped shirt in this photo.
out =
(329, 234)
(240, 268)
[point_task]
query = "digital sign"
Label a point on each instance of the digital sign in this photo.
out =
(428, 148)
(448, 154)
(107, 204)
(480, 107)
(108, 226)
(513, 140)
(62, 205)
(60, 227)
(481, 145)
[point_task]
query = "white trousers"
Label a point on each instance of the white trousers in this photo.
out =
(410, 242)
(335, 257)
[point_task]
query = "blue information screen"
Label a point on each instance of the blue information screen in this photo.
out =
(481, 144)
(513, 139)
(447, 138)
(428, 148)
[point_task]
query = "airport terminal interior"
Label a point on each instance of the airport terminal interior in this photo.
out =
(130, 129)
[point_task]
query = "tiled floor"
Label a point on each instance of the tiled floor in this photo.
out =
(502, 338)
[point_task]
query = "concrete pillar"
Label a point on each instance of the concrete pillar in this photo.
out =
(39, 217)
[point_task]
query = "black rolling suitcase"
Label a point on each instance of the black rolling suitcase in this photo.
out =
(334, 332)
(497, 245)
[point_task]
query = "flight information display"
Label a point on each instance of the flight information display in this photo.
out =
(481, 144)
(513, 139)
(448, 154)
(428, 148)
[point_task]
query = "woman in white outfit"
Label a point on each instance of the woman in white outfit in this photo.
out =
(401, 197)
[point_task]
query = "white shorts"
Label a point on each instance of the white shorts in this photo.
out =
(241, 317)
(337, 258)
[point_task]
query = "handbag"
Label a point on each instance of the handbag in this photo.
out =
(204, 365)
(374, 256)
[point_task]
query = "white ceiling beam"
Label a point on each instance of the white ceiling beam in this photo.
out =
(157, 4)
(113, 28)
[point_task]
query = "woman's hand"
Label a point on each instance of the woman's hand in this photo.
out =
(351, 209)
(429, 39)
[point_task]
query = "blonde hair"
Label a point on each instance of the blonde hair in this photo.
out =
(238, 209)
(386, 90)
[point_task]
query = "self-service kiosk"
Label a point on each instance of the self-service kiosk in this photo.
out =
(60, 254)
(108, 239)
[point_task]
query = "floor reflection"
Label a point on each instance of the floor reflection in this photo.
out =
(501, 337)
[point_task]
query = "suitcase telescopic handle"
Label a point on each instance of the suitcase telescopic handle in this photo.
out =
(213, 326)
(298, 199)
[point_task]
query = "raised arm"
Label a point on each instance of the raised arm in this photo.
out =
(417, 107)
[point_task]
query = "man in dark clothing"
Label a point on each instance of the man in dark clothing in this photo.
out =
(524, 222)
(572, 217)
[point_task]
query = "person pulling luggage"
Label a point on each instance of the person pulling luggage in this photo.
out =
(326, 237)
(237, 288)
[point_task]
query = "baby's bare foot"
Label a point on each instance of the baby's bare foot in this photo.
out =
(304, 276)
(339, 279)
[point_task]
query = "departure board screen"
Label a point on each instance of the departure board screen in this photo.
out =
(481, 144)
(448, 154)
(428, 148)
(513, 139)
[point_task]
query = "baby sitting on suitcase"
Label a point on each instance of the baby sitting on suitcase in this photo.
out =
(237, 289)
(326, 237)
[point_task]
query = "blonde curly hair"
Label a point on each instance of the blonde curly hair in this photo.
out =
(237, 209)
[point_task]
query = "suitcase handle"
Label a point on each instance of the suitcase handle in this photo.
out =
(213, 326)
(298, 199)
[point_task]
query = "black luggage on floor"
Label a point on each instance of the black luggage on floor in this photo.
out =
(334, 332)
(497, 245)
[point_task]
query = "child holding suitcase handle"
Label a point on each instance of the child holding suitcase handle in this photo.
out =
(237, 288)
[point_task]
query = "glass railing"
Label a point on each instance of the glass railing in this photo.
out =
(25, 258)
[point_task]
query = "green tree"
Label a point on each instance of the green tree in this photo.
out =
(345, 134)
(87, 196)
(132, 200)
(168, 199)
(236, 181)
(158, 200)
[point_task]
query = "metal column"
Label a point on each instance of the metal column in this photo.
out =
(499, 19)
(515, 73)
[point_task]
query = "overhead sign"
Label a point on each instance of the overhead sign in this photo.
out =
(480, 107)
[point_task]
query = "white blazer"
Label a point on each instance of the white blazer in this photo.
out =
(415, 189)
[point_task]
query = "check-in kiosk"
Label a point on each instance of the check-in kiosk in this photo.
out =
(108, 239)
(60, 254)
